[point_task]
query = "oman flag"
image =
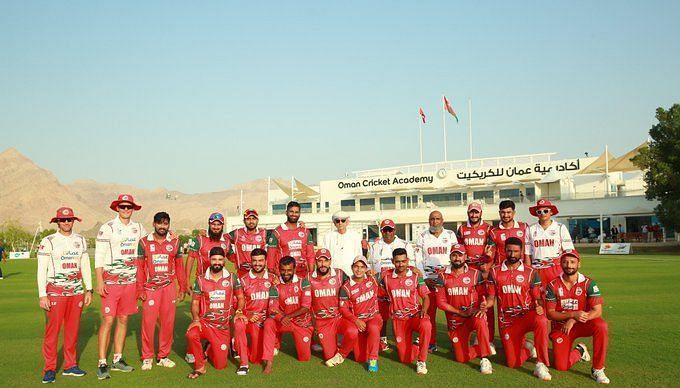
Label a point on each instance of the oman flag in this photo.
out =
(449, 108)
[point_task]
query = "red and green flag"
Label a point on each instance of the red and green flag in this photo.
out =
(449, 108)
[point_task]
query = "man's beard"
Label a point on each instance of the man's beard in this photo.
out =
(512, 260)
(435, 229)
(214, 236)
(256, 270)
(457, 265)
(569, 271)
(215, 268)
(292, 220)
(161, 232)
(322, 270)
(286, 278)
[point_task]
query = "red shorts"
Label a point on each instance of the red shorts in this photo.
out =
(120, 300)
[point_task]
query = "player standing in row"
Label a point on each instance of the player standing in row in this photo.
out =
(548, 239)
(457, 296)
(64, 286)
(291, 239)
(244, 240)
(289, 303)
(432, 249)
(507, 228)
(160, 284)
(516, 288)
(115, 265)
(408, 306)
(200, 246)
(255, 285)
(380, 260)
(211, 312)
(344, 245)
(574, 305)
(359, 305)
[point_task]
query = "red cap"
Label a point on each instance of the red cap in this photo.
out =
(475, 206)
(543, 203)
(323, 252)
(251, 213)
(64, 212)
(122, 199)
(460, 248)
(570, 252)
(387, 223)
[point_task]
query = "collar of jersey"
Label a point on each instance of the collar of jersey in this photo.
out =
(449, 270)
(332, 272)
(505, 267)
(118, 221)
(225, 274)
(253, 276)
(150, 237)
(515, 225)
(579, 279)
(295, 279)
(408, 273)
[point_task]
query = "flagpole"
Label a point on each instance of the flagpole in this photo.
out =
(470, 125)
(420, 135)
(446, 158)
(269, 189)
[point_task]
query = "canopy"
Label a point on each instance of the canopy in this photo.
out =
(623, 163)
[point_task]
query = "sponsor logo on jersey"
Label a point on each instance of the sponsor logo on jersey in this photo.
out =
(408, 282)
(466, 233)
(152, 248)
(159, 259)
(217, 295)
(520, 278)
(258, 238)
(466, 280)
(301, 234)
(579, 291)
(332, 281)
(480, 232)
(294, 245)
(225, 283)
(267, 284)
(560, 291)
(520, 233)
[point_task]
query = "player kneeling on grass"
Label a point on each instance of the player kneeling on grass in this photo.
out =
(359, 306)
(211, 312)
(457, 297)
(574, 304)
(160, 272)
(289, 303)
(255, 285)
(404, 287)
(517, 288)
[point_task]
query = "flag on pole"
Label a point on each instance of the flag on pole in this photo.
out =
(449, 108)
(422, 115)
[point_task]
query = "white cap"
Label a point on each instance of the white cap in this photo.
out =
(340, 215)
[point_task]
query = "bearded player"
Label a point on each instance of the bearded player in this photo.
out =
(291, 239)
(200, 246)
(507, 228)
(244, 240)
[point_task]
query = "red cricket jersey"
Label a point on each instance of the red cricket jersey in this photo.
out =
(582, 296)
(159, 264)
(475, 238)
(297, 243)
(216, 298)
(325, 293)
(460, 291)
(285, 298)
(256, 294)
(403, 292)
(499, 234)
(199, 249)
(242, 243)
(516, 290)
(359, 299)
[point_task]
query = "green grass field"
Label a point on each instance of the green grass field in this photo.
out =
(640, 295)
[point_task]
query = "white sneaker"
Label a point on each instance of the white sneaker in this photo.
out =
(585, 356)
(276, 352)
(529, 345)
(492, 348)
(166, 363)
(335, 360)
(421, 368)
(147, 364)
(317, 348)
(599, 376)
(189, 358)
(541, 371)
(485, 366)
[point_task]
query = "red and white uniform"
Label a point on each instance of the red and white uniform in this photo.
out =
(359, 301)
(215, 309)
(460, 291)
(160, 271)
(63, 277)
(546, 247)
(405, 292)
(297, 243)
(475, 239)
(242, 244)
(256, 295)
(199, 249)
(116, 254)
(499, 234)
(516, 292)
(582, 296)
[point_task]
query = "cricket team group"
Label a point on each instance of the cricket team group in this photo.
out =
(336, 300)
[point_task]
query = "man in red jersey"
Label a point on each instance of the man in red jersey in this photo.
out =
(291, 239)
(507, 228)
(574, 305)
(289, 303)
(211, 310)
(359, 305)
(255, 285)
(244, 240)
(200, 246)
(404, 288)
(160, 272)
(325, 285)
(457, 297)
(517, 289)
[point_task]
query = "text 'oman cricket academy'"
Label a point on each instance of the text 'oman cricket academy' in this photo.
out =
(386, 181)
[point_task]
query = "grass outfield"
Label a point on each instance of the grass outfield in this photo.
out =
(640, 295)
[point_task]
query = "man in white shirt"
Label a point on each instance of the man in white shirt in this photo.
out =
(343, 244)
(64, 286)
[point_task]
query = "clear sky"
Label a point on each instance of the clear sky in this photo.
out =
(197, 96)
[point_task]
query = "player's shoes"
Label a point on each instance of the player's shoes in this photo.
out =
(242, 370)
(103, 372)
(485, 366)
(147, 364)
(189, 358)
(541, 371)
(529, 345)
(49, 377)
(335, 360)
(384, 346)
(121, 366)
(166, 363)
(317, 348)
(599, 376)
(416, 341)
(583, 349)
(372, 365)
(74, 371)
(432, 348)
(492, 349)
(421, 368)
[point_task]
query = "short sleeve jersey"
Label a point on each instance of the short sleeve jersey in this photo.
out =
(120, 263)
(582, 296)
(326, 293)
(475, 238)
(216, 298)
(63, 256)
(548, 244)
(515, 290)
(199, 249)
(404, 293)
(434, 251)
(242, 243)
(360, 297)
(285, 298)
(159, 261)
(256, 294)
(499, 234)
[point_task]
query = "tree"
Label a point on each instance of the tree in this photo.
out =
(661, 165)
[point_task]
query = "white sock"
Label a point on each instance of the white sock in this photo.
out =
(102, 361)
(117, 357)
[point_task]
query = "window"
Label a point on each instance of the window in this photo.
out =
(509, 194)
(409, 201)
(388, 203)
(348, 205)
(366, 204)
(485, 196)
(531, 194)
(445, 199)
(306, 207)
(279, 208)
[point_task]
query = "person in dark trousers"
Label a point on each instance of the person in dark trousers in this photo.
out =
(2, 257)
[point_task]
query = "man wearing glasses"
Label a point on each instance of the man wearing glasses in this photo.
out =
(64, 286)
(344, 245)
(116, 270)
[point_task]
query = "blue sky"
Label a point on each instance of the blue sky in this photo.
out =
(197, 96)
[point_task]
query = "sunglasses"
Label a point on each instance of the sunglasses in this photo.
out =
(125, 207)
(387, 230)
(339, 220)
(64, 219)
(544, 211)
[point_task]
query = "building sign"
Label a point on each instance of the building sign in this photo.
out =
(615, 249)
(392, 181)
(514, 171)
(19, 255)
